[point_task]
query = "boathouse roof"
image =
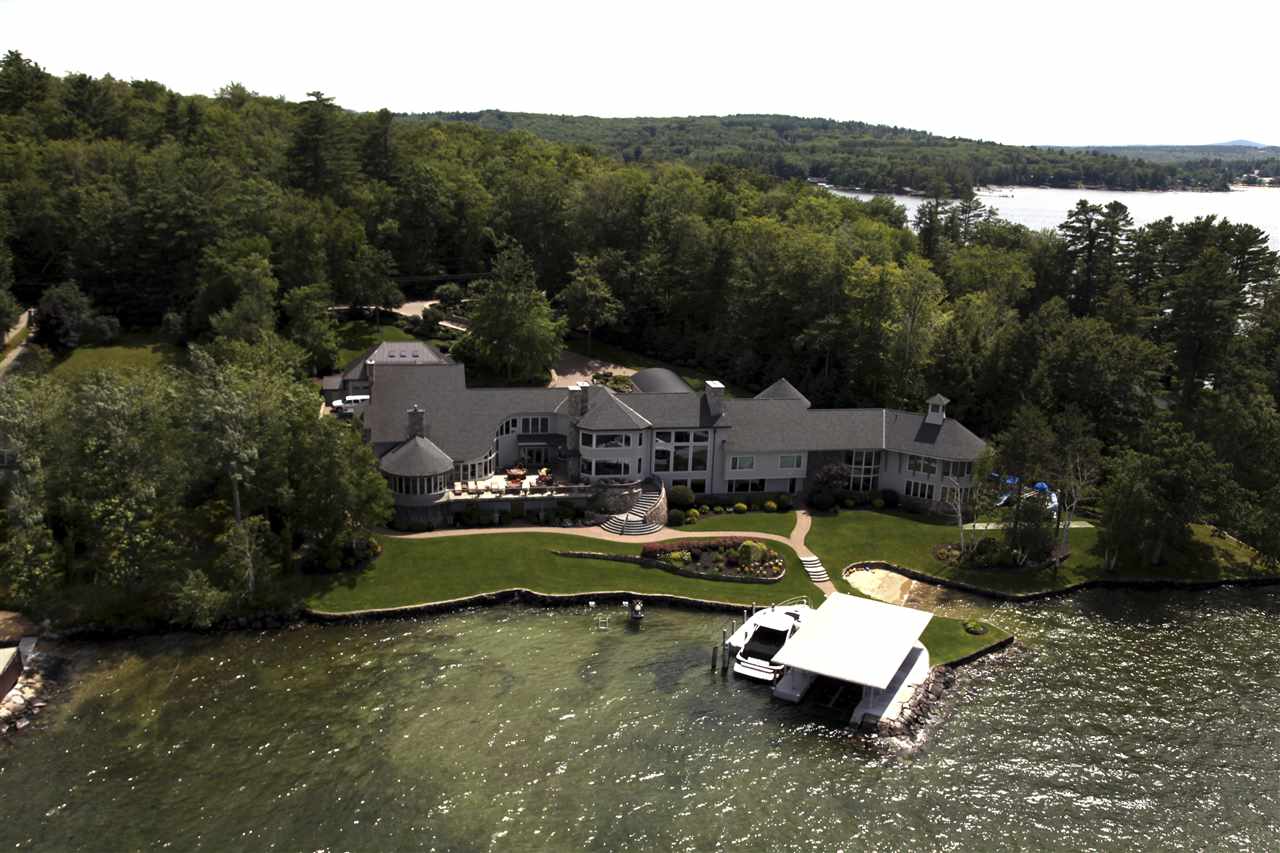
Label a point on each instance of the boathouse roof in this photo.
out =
(854, 639)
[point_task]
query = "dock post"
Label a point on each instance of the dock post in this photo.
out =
(715, 654)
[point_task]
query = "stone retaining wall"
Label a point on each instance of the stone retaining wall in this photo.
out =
(657, 513)
(23, 703)
(524, 596)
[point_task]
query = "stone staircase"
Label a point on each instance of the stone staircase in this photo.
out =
(813, 568)
(632, 522)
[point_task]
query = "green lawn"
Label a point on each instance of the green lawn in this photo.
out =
(137, 349)
(626, 358)
(416, 571)
(357, 336)
(908, 541)
(780, 523)
(948, 641)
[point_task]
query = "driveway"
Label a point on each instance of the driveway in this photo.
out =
(574, 367)
(9, 359)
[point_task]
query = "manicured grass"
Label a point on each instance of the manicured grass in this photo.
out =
(136, 350)
(908, 541)
(855, 535)
(780, 523)
(357, 336)
(416, 571)
(948, 641)
(626, 358)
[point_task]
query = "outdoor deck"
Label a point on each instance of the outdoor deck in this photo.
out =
(499, 487)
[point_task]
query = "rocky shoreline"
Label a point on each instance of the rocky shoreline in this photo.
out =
(24, 702)
(914, 715)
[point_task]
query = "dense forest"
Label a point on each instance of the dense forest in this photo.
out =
(1137, 366)
(877, 158)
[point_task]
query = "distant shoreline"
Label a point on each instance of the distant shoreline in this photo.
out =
(1082, 188)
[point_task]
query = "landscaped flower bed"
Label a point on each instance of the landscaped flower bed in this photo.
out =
(728, 557)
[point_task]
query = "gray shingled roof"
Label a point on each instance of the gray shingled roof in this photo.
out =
(417, 457)
(398, 353)
(606, 411)
(781, 390)
(460, 422)
(660, 380)
(792, 425)
(671, 410)
(907, 432)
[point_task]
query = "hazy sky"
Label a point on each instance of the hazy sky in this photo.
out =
(1026, 72)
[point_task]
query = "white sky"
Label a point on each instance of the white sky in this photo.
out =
(1079, 72)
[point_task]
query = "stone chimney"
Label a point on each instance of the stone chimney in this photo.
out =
(714, 392)
(937, 409)
(417, 422)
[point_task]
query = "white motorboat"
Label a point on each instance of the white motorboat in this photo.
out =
(763, 635)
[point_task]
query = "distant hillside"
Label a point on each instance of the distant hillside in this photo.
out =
(1243, 143)
(1238, 151)
(874, 157)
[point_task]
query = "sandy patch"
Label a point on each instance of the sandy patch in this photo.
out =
(574, 367)
(414, 309)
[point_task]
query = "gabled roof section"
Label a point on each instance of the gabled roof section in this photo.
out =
(668, 411)
(782, 390)
(460, 421)
(907, 432)
(398, 353)
(417, 457)
(606, 411)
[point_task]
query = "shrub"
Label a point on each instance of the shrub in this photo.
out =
(704, 509)
(770, 506)
(890, 498)
(822, 501)
(750, 552)
(675, 517)
(973, 626)
(739, 507)
(718, 509)
(691, 516)
(679, 557)
(849, 503)
(878, 503)
(680, 497)
(987, 553)
(784, 502)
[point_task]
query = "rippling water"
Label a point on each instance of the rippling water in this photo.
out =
(1126, 722)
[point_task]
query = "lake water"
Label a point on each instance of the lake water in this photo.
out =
(1046, 208)
(1127, 722)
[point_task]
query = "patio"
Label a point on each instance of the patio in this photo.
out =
(516, 483)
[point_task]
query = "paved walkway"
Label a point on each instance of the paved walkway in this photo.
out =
(9, 359)
(795, 539)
